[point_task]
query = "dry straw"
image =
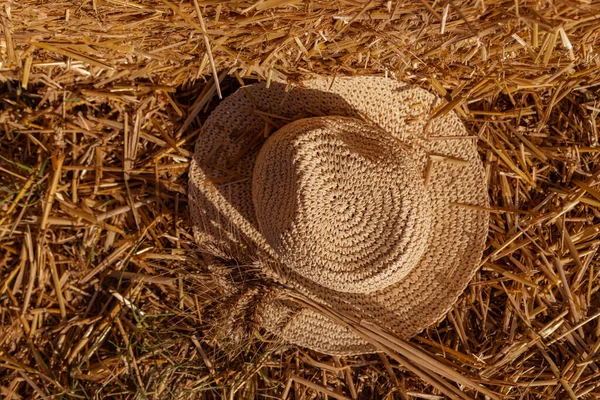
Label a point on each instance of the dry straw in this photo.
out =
(101, 290)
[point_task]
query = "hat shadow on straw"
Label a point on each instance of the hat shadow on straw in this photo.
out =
(226, 225)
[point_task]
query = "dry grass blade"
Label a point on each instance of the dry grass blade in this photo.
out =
(208, 50)
(318, 388)
(397, 348)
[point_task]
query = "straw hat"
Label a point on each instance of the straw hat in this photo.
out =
(348, 192)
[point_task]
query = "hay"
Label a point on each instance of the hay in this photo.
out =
(101, 290)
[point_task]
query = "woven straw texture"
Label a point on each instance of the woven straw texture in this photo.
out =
(352, 212)
(352, 201)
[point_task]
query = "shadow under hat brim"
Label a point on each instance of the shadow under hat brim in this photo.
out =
(223, 216)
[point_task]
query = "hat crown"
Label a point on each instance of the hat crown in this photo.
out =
(342, 203)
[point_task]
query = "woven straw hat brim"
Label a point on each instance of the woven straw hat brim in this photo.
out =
(223, 213)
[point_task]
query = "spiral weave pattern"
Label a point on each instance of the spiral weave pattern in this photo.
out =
(352, 212)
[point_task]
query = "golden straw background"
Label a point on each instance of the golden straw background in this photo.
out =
(102, 291)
